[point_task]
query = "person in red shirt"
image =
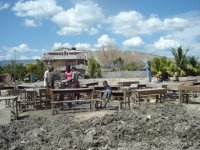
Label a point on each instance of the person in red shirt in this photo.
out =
(68, 76)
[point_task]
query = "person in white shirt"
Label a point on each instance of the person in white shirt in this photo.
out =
(48, 74)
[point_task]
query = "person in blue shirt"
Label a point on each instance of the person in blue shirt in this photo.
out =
(148, 71)
(107, 93)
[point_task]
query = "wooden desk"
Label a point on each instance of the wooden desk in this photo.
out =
(123, 97)
(14, 104)
(183, 89)
(91, 84)
(138, 86)
(158, 92)
(124, 84)
(101, 88)
(55, 92)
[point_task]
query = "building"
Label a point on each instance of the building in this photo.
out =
(62, 57)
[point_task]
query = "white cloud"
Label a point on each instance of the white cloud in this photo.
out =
(166, 43)
(93, 31)
(70, 31)
(21, 51)
(105, 40)
(188, 38)
(59, 45)
(7, 56)
(81, 18)
(21, 48)
(133, 23)
(36, 8)
(82, 46)
(133, 42)
(4, 5)
(22, 57)
(79, 46)
(36, 57)
(30, 23)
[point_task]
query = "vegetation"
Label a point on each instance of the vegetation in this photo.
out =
(112, 59)
(20, 71)
(185, 65)
(37, 69)
(180, 59)
(160, 64)
(94, 69)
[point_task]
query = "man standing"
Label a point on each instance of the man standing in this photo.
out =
(48, 77)
(148, 71)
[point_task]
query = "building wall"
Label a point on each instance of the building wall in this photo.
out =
(60, 64)
(125, 74)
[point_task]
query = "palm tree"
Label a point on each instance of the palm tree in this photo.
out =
(193, 61)
(180, 59)
(193, 65)
(162, 63)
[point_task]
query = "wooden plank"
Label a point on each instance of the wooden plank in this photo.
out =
(67, 101)
(158, 92)
(72, 90)
(151, 91)
(189, 88)
(127, 83)
(101, 88)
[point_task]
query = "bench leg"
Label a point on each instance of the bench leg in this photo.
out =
(52, 109)
(120, 106)
(92, 103)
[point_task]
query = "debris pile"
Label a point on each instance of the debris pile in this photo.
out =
(149, 126)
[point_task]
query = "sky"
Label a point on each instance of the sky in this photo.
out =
(30, 28)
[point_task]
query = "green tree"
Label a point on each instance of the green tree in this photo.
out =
(20, 71)
(180, 59)
(37, 68)
(10, 69)
(93, 68)
(193, 67)
(118, 63)
(162, 63)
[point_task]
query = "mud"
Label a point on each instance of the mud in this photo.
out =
(146, 127)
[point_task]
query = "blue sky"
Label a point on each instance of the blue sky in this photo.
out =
(33, 27)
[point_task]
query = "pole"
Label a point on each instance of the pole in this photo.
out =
(15, 69)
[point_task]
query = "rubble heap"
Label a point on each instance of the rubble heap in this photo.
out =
(149, 126)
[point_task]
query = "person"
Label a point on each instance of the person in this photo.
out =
(48, 77)
(164, 76)
(75, 81)
(148, 71)
(176, 75)
(68, 76)
(107, 93)
(75, 78)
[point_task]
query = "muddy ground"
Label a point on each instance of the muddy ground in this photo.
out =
(168, 125)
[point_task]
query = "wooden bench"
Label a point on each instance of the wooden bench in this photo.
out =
(92, 102)
(56, 92)
(158, 92)
(185, 92)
